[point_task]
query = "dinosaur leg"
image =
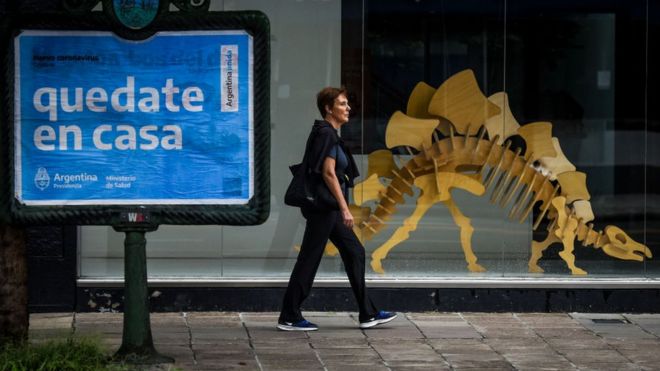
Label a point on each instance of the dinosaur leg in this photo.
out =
(400, 235)
(464, 224)
(566, 229)
(568, 240)
(537, 252)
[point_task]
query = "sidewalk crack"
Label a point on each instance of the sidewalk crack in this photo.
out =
(254, 351)
(184, 315)
(426, 341)
(357, 321)
(316, 352)
(559, 353)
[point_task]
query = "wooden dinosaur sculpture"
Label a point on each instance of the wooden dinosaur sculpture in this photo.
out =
(466, 159)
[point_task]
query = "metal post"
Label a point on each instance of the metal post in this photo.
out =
(137, 343)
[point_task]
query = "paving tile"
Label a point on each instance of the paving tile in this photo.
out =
(339, 333)
(506, 332)
(542, 320)
(526, 345)
(399, 328)
(290, 365)
(585, 356)
(346, 352)
(544, 367)
(451, 333)
(436, 317)
(278, 343)
(228, 333)
(259, 317)
(459, 346)
(280, 355)
(568, 343)
(566, 333)
(274, 334)
(590, 316)
(322, 343)
(633, 344)
(642, 355)
(455, 358)
(537, 365)
(465, 364)
(494, 318)
(354, 366)
(432, 324)
(226, 365)
(387, 344)
(628, 332)
(608, 367)
(99, 317)
(547, 357)
(647, 366)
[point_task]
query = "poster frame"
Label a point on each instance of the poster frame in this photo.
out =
(255, 211)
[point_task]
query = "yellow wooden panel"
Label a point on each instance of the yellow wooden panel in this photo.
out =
(583, 210)
(460, 101)
(573, 186)
(367, 190)
(403, 130)
(502, 124)
(558, 164)
(538, 138)
(382, 163)
(418, 102)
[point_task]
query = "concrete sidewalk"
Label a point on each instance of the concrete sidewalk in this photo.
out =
(413, 341)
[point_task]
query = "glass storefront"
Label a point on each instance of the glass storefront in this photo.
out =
(584, 68)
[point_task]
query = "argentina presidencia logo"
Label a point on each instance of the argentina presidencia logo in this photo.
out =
(42, 179)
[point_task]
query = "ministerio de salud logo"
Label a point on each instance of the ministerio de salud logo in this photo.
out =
(42, 179)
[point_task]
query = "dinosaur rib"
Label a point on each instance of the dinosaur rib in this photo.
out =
(447, 155)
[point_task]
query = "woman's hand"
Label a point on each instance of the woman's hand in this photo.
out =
(332, 182)
(347, 218)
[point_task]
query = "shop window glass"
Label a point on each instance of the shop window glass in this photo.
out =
(584, 66)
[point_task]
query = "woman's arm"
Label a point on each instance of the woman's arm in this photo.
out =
(332, 182)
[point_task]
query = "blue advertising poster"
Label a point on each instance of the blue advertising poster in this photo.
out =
(103, 121)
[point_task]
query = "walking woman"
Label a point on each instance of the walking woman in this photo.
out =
(333, 163)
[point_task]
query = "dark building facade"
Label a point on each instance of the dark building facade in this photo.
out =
(587, 67)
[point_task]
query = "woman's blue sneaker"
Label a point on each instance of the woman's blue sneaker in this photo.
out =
(303, 325)
(381, 317)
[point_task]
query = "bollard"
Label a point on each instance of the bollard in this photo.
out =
(137, 342)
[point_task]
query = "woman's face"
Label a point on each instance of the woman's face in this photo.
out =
(340, 110)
